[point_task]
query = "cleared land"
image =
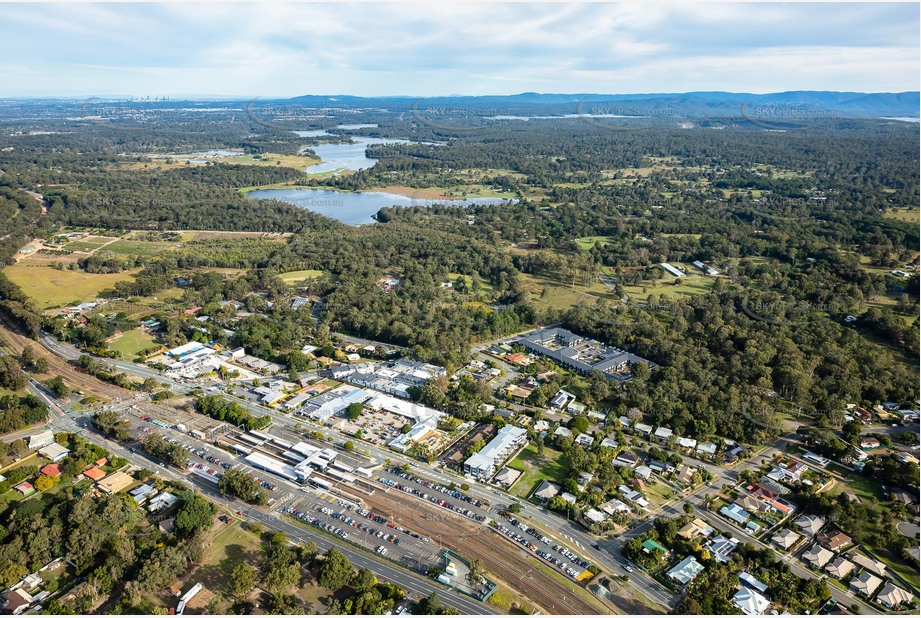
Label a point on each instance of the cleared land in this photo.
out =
(552, 467)
(130, 343)
(50, 287)
(296, 276)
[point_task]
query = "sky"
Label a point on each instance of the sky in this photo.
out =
(438, 48)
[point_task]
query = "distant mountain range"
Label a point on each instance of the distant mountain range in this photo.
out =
(688, 104)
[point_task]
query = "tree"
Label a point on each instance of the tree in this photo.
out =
(242, 580)
(514, 508)
(335, 571)
(363, 581)
(354, 410)
(475, 573)
(44, 483)
(688, 508)
(578, 424)
(195, 513)
(349, 445)
(281, 578)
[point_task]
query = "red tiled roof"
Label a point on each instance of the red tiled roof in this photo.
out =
(51, 469)
(94, 473)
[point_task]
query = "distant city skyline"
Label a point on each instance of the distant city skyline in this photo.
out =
(286, 50)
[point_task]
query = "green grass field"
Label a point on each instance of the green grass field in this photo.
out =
(131, 342)
(141, 248)
(671, 287)
(907, 216)
(552, 468)
(50, 287)
(296, 276)
(559, 294)
(588, 242)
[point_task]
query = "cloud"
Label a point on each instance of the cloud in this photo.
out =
(437, 49)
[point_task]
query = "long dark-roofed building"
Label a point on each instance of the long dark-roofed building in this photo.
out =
(580, 353)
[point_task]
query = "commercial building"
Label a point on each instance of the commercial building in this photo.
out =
(484, 463)
(580, 353)
(114, 483)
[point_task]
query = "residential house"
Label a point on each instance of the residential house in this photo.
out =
(869, 442)
(16, 601)
(643, 472)
(614, 506)
(584, 440)
(94, 474)
(663, 434)
(689, 443)
(840, 567)
(685, 474)
(785, 539)
(817, 556)
(706, 448)
(53, 470)
(625, 459)
(546, 490)
(609, 443)
(563, 432)
(694, 528)
(750, 602)
(752, 582)
(507, 477)
(834, 540)
(594, 516)
(685, 571)
(643, 428)
(736, 513)
(810, 525)
(721, 548)
(873, 566)
(54, 451)
(892, 596)
(25, 488)
(866, 584)
(568, 497)
(651, 547)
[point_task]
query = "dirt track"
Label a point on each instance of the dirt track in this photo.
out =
(74, 378)
(503, 560)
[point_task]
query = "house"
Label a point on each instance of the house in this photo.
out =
(562, 431)
(651, 547)
(53, 470)
(541, 425)
(721, 548)
(141, 493)
(685, 571)
(94, 474)
(609, 443)
(686, 442)
(25, 488)
(892, 596)
(507, 477)
(865, 583)
(625, 459)
(809, 524)
(869, 442)
(624, 422)
(817, 556)
(735, 513)
(873, 566)
(584, 440)
(546, 490)
(685, 474)
(595, 516)
(749, 503)
(834, 540)
(167, 525)
(662, 467)
(54, 452)
(662, 434)
(750, 602)
(694, 528)
(16, 601)
(643, 428)
(752, 582)
(561, 400)
(643, 472)
(785, 539)
(114, 483)
(706, 448)
(614, 506)
(161, 501)
(568, 497)
(840, 567)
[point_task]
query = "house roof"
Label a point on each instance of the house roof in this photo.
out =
(94, 473)
(817, 556)
(786, 538)
(810, 524)
(51, 469)
(115, 482)
(547, 490)
(891, 595)
(839, 567)
(752, 582)
(866, 583)
(834, 540)
(686, 570)
(751, 602)
(695, 528)
(874, 566)
(14, 599)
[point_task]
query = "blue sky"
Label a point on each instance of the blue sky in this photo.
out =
(439, 48)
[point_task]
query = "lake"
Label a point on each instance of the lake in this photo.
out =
(336, 157)
(356, 208)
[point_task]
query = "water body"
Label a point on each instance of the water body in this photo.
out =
(338, 157)
(356, 208)
(561, 117)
